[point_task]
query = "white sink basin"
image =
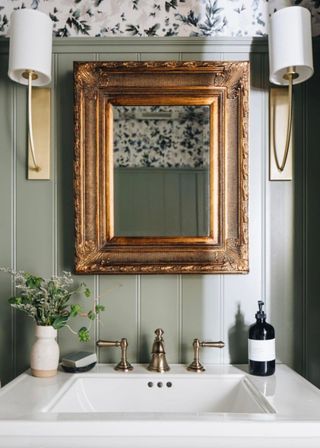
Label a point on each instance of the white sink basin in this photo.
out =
(192, 393)
(223, 407)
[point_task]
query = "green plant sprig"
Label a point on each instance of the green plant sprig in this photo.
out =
(46, 301)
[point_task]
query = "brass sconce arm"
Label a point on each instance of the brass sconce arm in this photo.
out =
(123, 365)
(289, 76)
(30, 75)
(196, 365)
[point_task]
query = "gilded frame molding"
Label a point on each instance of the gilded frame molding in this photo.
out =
(224, 86)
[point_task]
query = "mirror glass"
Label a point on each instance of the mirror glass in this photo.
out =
(161, 170)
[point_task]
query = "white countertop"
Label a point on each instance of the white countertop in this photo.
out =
(24, 422)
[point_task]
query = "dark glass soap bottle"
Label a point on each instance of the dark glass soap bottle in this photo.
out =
(261, 345)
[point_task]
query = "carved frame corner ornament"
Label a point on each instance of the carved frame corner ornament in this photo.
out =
(98, 86)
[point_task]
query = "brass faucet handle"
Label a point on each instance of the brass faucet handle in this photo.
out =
(196, 365)
(124, 365)
(217, 344)
(104, 343)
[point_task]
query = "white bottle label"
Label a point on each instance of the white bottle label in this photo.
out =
(264, 350)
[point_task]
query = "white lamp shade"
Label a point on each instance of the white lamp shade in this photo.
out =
(30, 46)
(290, 44)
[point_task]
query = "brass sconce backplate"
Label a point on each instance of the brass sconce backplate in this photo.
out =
(41, 117)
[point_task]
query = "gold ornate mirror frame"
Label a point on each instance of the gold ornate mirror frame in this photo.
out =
(223, 86)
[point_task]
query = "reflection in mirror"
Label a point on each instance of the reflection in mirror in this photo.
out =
(161, 170)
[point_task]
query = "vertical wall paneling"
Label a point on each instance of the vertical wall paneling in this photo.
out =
(34, 223)
(13, 239)
(119, 295)
(201, 302)
(13, 236)
(160, 309)
(54, 164)
(280, 261)
(311, 234)
(263, 82)
(138, 317)
(180, 319)
(7, 178)
(209, 307)
(301, 233)
(300, 236)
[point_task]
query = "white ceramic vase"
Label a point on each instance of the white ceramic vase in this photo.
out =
(45, 352)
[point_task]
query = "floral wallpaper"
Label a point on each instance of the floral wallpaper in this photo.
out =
(171, 136)
(157, 17)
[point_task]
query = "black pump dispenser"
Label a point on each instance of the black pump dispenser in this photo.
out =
(261, 315)
(261, 345)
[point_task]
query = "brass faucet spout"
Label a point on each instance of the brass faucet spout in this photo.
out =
(158, 361)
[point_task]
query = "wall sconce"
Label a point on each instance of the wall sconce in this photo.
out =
(291, 62)
(30, 64)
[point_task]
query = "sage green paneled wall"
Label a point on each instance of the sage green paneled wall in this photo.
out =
(36, 223)
(310, 216)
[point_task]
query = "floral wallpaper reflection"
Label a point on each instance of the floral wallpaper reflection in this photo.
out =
(157, 17)
(161, 136)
